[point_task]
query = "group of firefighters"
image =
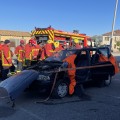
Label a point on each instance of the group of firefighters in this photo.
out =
(27, 54)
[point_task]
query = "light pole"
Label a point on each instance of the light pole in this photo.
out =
(113, 24)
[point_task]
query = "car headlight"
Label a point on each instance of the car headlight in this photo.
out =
(43, 77)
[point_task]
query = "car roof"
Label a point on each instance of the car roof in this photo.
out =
(90, 48)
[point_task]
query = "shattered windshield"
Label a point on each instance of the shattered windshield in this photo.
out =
(60, 56)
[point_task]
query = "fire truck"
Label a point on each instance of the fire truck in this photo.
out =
(49, 33)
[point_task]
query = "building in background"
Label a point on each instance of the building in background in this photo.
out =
(14, 37)
(115, 41)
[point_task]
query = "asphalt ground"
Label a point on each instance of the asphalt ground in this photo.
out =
(104, 105)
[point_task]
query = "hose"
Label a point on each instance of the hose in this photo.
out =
(54, 82)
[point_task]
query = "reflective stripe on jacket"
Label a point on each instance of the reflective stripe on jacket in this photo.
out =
(35, 51)
(20, 53)
(28, 52)
(6, 56)
(47, 51)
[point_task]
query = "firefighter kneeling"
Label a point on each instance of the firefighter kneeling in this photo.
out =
(73, 86)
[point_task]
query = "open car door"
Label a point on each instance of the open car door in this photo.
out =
(82, 60)
(101, 57)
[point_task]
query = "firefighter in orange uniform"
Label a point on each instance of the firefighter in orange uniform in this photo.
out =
(47, 50)
(77, 45)
(28, 53)
(20, 53)
(71, 73)
(73, 87)
(6, 58)
(36, 49)
(1, 44)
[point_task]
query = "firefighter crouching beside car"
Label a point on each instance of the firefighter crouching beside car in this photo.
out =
(112, 59)
(73, 86)
(36, 50)
(71, 73)
(47, 50)
(6, 55)
(20, 54)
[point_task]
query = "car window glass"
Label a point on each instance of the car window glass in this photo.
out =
(104, 52)
(59, 56)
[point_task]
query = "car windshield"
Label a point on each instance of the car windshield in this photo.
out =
(60, 56)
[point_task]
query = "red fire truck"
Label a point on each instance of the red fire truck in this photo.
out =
(49, 33)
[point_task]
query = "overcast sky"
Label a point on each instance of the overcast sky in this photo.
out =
(93, 17)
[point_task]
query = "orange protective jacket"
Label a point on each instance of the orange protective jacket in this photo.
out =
(111, 59)
(77, 46)
(28, 52)
(71, 73)
(47, 51)
(0, 52)
(57, 49)
(35, 52)
(70, 60)
(6, 56)
(20, 53)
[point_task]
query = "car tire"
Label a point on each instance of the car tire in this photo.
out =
(108, 81)
(60, 90)
(103, 83)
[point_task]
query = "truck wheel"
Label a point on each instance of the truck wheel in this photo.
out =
(60, 90)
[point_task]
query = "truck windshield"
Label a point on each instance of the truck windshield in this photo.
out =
(60, 56)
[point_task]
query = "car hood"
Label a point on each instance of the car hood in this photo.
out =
(46, 65)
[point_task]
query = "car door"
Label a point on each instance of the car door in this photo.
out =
(104, 71)
(82, 60)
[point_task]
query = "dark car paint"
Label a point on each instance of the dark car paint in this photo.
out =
(84, 75)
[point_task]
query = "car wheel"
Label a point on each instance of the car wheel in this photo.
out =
(103, 83)
(60, 90)
(108, 81)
